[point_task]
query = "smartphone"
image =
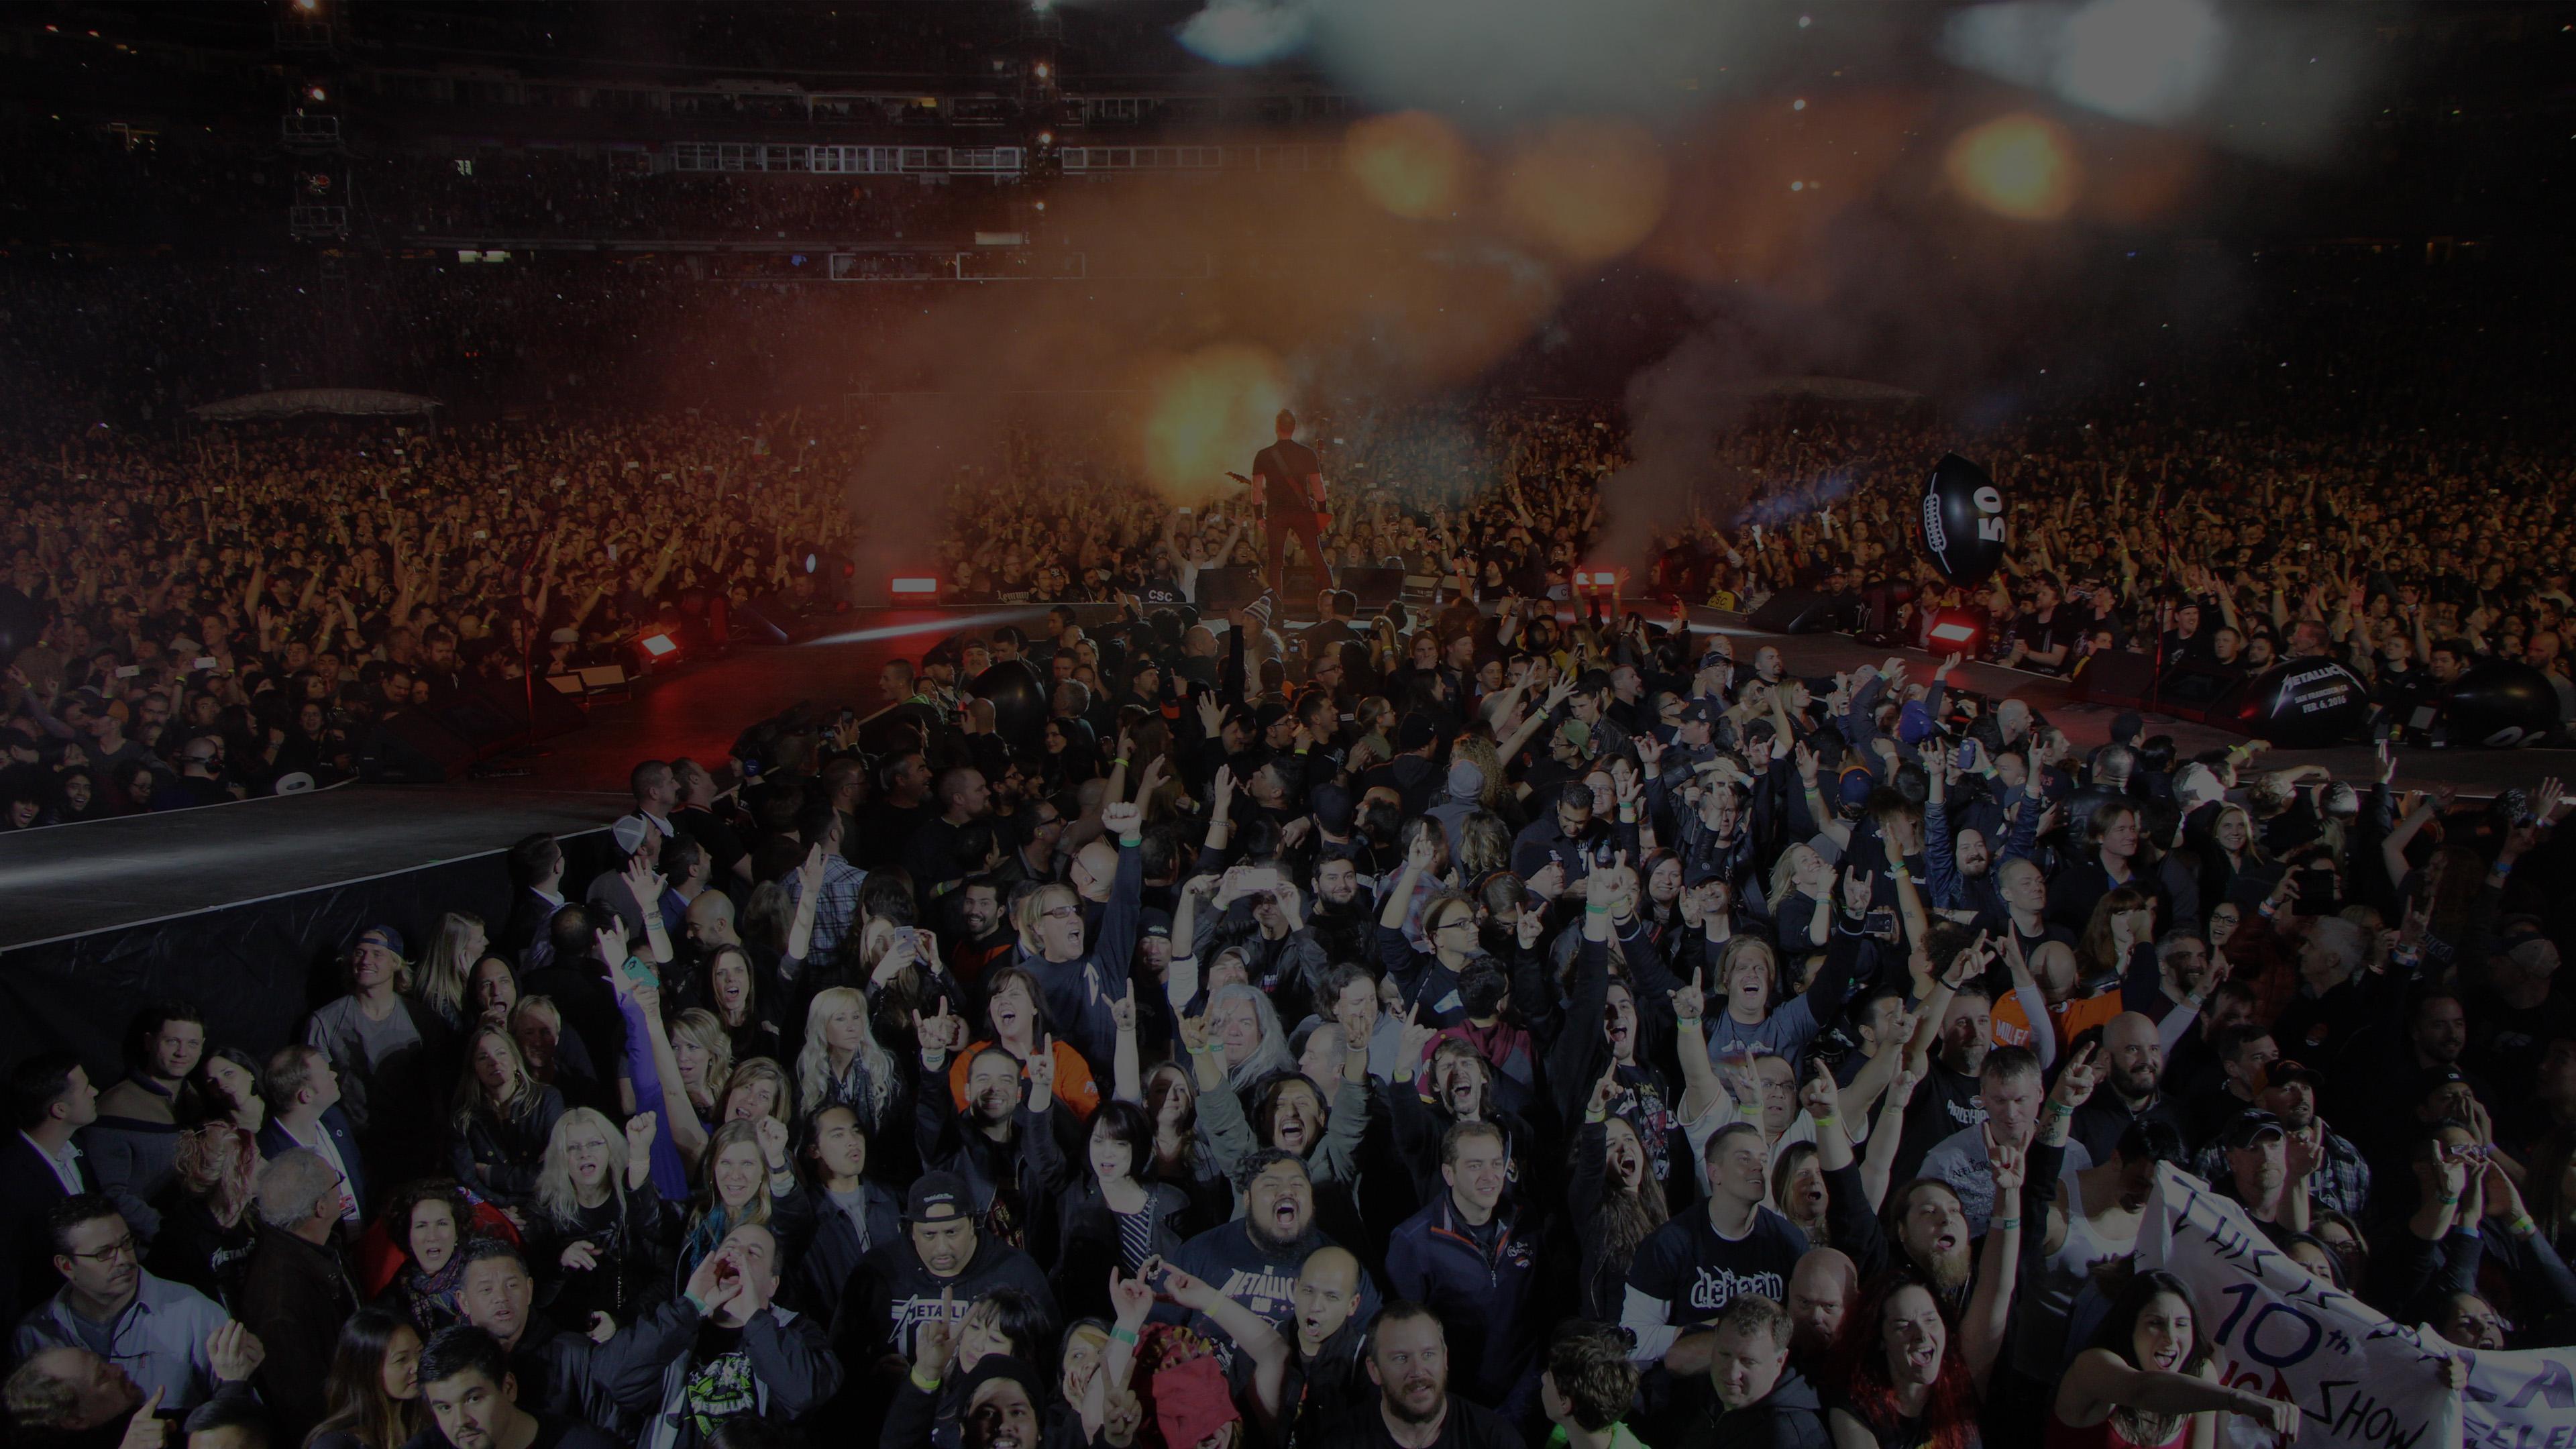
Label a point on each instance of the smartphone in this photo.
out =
(1879, 922)
(1966, 759)
(2317, 893)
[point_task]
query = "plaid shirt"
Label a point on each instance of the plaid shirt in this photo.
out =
(836, 907)
(2341, 1183)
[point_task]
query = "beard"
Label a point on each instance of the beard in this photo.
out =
(1948, 1271)
(1401, 1408)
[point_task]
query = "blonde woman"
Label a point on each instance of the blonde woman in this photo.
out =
(209, 1223)
(595, 1231)
(453, 954)
(703, 1053)
(842, 1064)
(743, 1179)
(503, 1119)
(756, 1089)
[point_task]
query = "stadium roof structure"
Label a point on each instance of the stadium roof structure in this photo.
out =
(1821, 389)
(355, 402)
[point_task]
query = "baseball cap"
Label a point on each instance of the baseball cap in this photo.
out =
(2285, 1070)
(1856, 785)
(1270, 714)
(1153, 921)
(2446, 1077)
(1697, 712)
(294, 782)
(2251, 1127)
(1414, 732)
(1576, 732)
(630, 832)
(936, 1197)
(385, 936)
(1008, 1368)
(1701, 874)
(1914, 723)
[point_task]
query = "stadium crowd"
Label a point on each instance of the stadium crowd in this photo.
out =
(1447, 1027)
(1533, 1025)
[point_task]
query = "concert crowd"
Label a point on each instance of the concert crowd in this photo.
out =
(1529, 1029)
(1255, 1018)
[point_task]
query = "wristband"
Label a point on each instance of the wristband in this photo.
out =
(1130, 842)
(930, 1386)
(2502, 867)
(2000, 1224)
(1119, 1333)
(2522, 1226)
(2059, 1108)
(1597, 1117)
(1826, 1120)
(2446, 1200)
(1121, 760)
(1591, 910)
(1686, 1021)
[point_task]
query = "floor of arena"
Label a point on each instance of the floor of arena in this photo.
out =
(117, 873)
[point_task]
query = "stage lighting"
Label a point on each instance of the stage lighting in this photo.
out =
(1955, 631)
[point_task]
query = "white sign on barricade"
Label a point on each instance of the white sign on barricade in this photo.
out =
(2360, 1378)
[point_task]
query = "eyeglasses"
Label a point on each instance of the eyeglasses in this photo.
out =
(121, 1248)
(1063, 913)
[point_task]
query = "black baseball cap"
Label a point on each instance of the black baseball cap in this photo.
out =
(2250, 1127)
(937, 1197)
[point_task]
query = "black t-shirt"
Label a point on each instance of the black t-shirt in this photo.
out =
(1696, 1273)
(1468, 1426)
(1284, 467)
(1946, 1102)
(2062, 627)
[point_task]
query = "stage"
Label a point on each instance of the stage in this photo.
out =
(116, 874)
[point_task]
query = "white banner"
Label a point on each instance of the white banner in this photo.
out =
(2360, 1378)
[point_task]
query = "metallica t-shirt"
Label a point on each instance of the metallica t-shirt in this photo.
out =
(1256, 1274)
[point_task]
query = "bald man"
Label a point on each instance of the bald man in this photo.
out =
(2132, 1090)
(1326, 1384)
(1822, 1289)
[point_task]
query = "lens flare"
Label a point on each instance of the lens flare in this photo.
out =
(1589, 190)
(1209, 412)
(2022, 166)
(1412, 163)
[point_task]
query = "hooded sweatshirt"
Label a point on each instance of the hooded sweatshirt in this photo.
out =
(1788, 1417)
(1466, 783)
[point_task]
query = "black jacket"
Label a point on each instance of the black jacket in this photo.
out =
(28, 1193)
(1788, 1417)
(610, 1384)
(891, 1293)
(834, 1253)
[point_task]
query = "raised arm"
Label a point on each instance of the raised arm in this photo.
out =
(1701, 1087)
(1982, 1327)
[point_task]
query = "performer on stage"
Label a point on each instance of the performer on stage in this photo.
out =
(1293, 482)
